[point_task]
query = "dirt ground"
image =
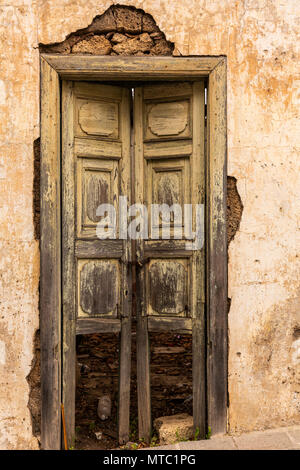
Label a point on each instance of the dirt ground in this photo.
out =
(98, 358)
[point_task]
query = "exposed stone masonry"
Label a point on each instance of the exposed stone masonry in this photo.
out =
(119, 31)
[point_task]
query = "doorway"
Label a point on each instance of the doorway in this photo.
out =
(168, 166)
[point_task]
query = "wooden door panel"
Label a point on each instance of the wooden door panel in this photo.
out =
(169, 166)
(163, 178)
(90, 148)
(168, 149)
(97, 117)
(101, 117)
(168, 169)
(97, 183)
(98, 288)
(167, 291)
(167, 120)
(166, 184)
(96, 274)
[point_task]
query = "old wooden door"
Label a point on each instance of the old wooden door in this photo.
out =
(169, 169)
(96, 273)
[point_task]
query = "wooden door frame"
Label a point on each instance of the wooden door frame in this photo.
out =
(105, 68)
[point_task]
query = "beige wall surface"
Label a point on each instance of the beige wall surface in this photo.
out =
(261, 40)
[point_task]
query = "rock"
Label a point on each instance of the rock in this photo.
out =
(104, 407)
(158, 35)
(141, 43)
(148, 24)
(161, 47)
(117, 38)
(128, 20)
(61, 48)
(174, 428)
(104, 23)
(92, 45)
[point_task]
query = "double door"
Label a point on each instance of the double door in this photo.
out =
(133, 195)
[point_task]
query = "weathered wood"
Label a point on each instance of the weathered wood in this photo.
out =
(86, 90)
(168, 119)
(103, 289)
(98, 248)
(85, 326)
(124, 381)
(170, 278)
(198, 267)
(84, 67)
(170, 324)
(98, 282)
(217, 251)
(177, 247)
(168, 286)
(91, 148)
(97, 183)
(126, 283)
(68, 263)
(173, 149)
(182, 89)
(132, 68)
(142, 338)
(143, 378)
(98, 118)
(50, 281)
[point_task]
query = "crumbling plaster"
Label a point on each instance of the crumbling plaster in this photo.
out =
(261, 41)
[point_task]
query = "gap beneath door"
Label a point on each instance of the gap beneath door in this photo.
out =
(171, 384)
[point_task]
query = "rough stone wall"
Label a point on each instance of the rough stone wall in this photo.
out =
(261, 41)
(121, 30)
